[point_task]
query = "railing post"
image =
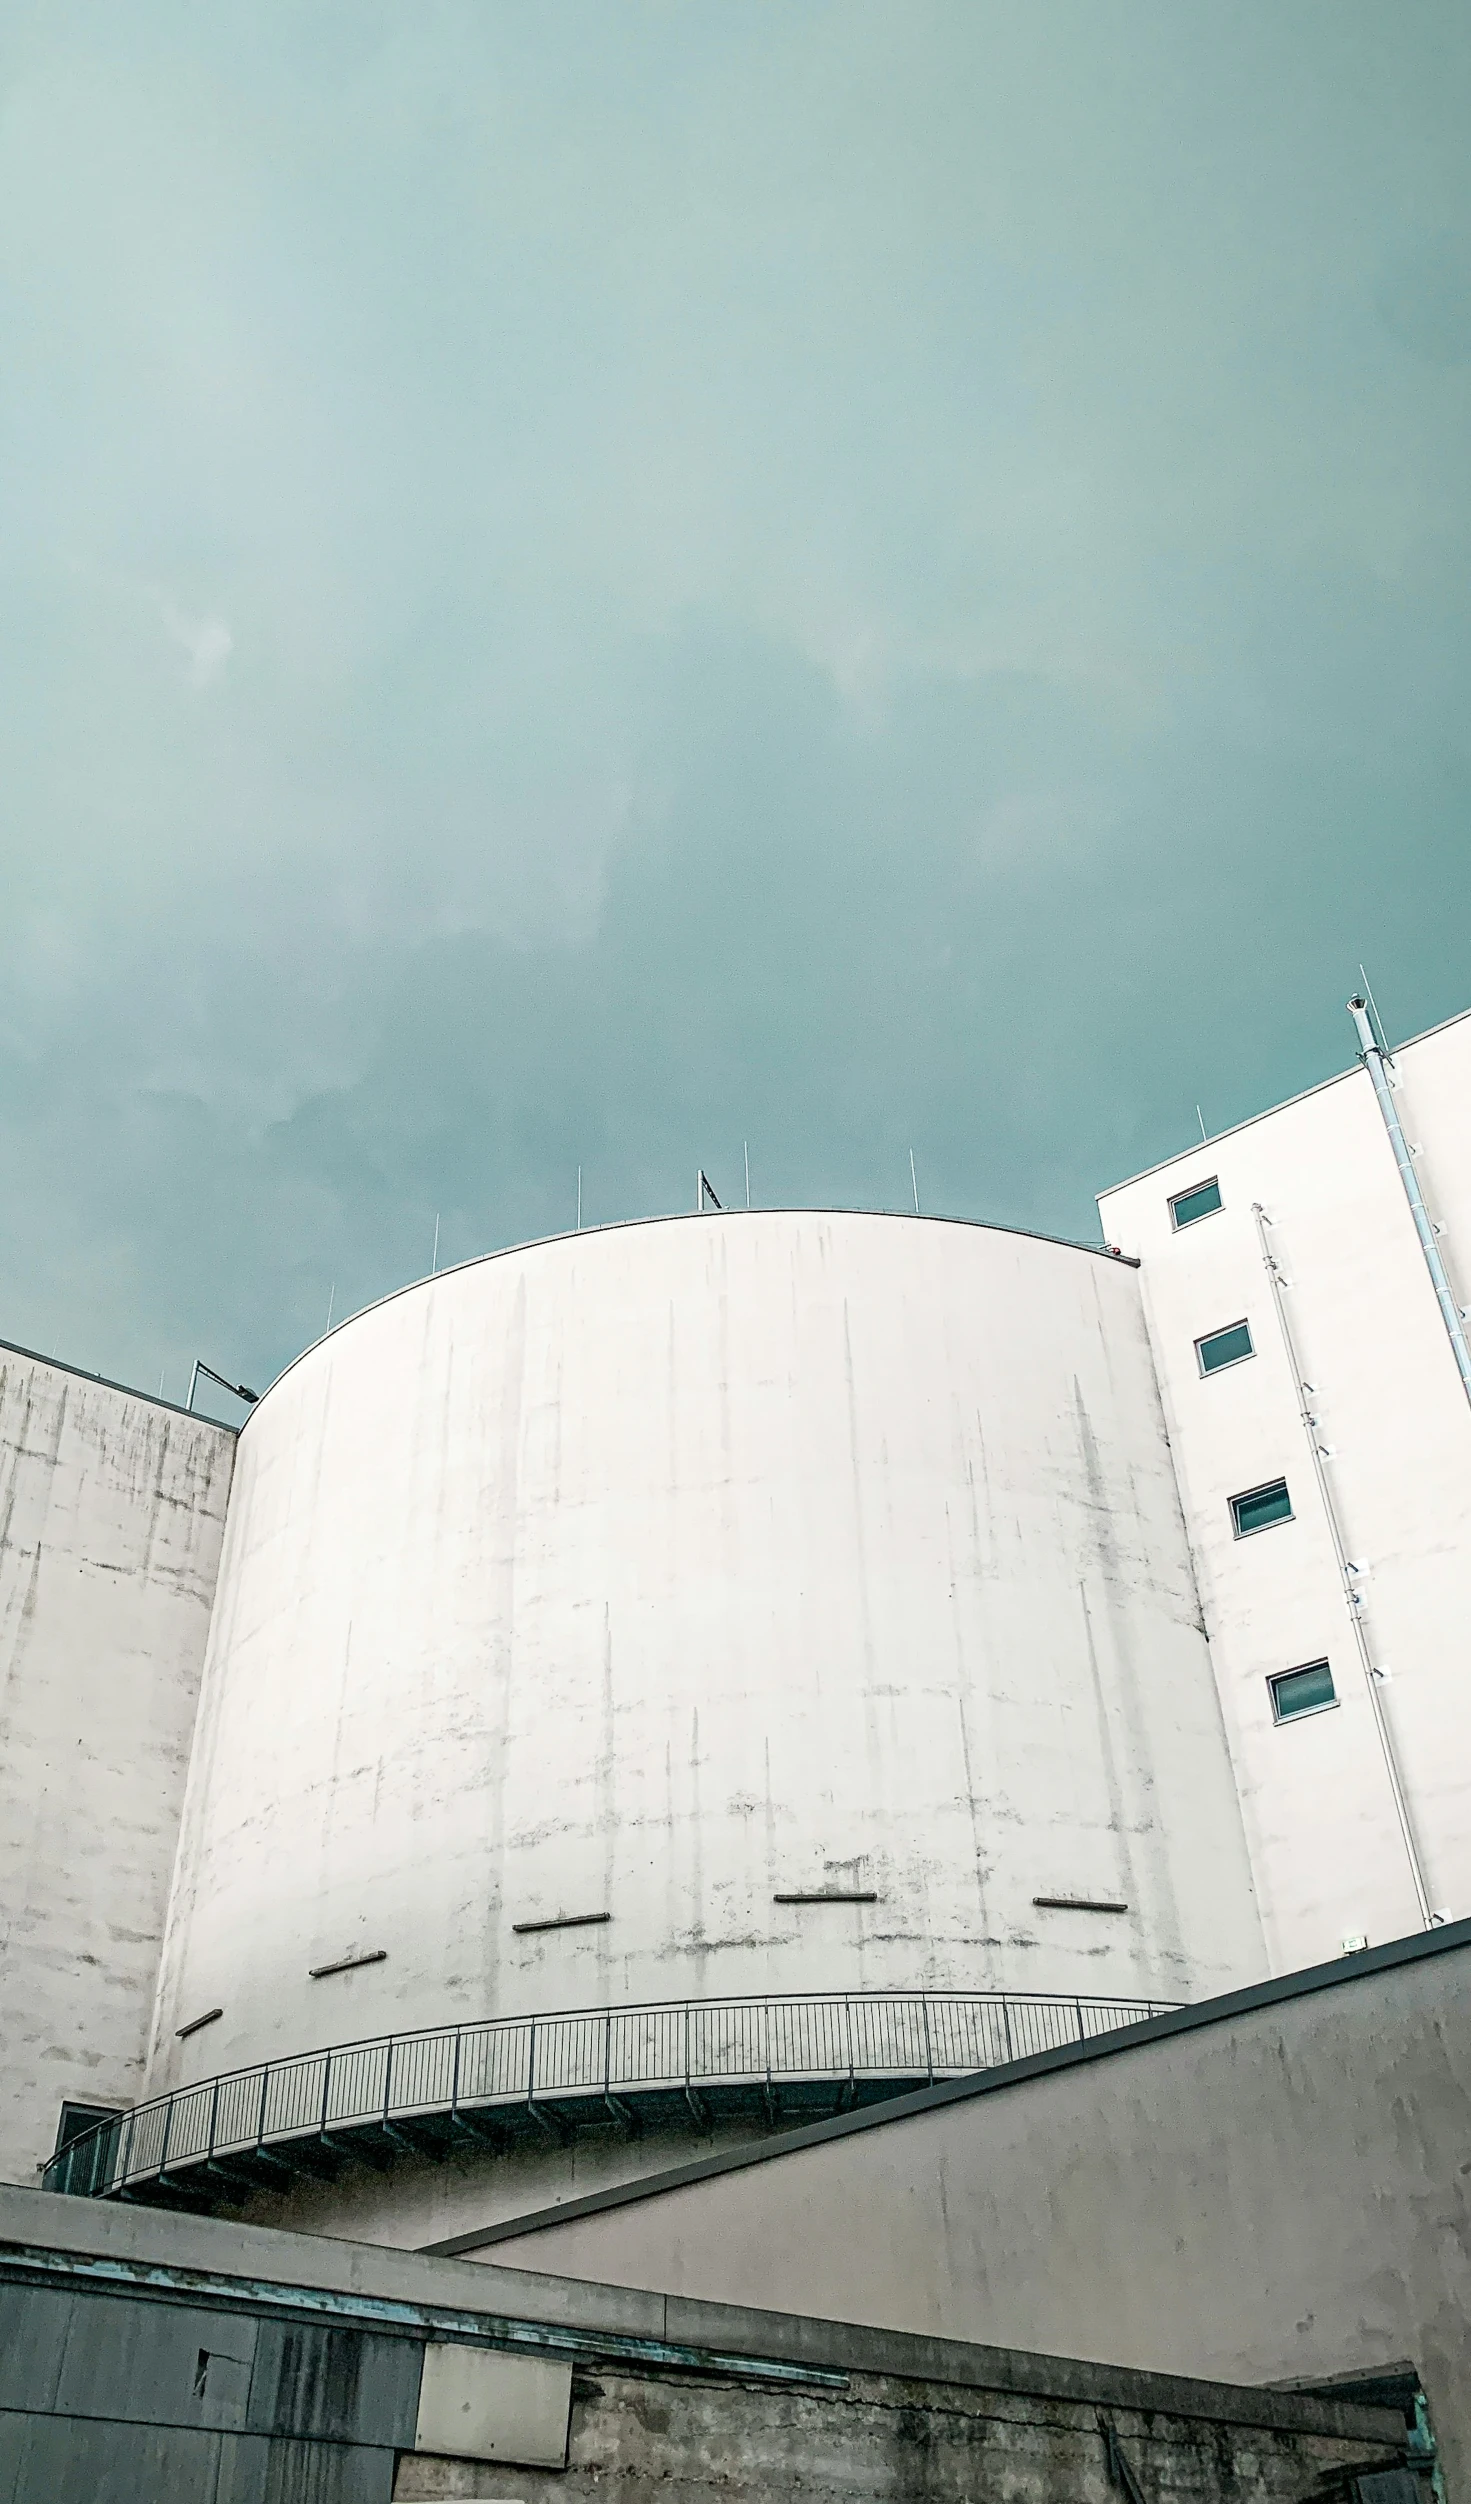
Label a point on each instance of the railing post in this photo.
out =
(260, 2119)
(214, 2115)
(1006, 2026)
(929, 2049)
(326, 2095)
(454, 2076)
(168, 2123)
(387, 2078)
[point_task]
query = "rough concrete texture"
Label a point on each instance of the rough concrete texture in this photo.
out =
(687, 2440)
(664, 1571)
(1279, 2194)
(1389, 1409)
(111, 1516)
(149, 2355)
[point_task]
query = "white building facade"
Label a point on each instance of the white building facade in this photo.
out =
(764, 1608)
(726, 1605)
(112, 1512)
(1321, 1434)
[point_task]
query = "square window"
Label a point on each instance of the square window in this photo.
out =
(1260, 1507)
(1201, 1200)
(1306, 1690)
(1224, 1347)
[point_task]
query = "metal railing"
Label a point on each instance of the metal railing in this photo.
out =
(426, 2089)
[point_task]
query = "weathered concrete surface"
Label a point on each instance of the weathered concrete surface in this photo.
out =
(143, 2354)
(1325, 1841)
(663, 1571)
(895, 2441)
(87, 2243)
(1274, 2195)
(111, 1516)
(120, 2396)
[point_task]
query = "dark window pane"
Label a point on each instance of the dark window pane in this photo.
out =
(1203, 1201)
(1224, 1347)
(1261, 1507)
(75, 2118)
(1302, 1690)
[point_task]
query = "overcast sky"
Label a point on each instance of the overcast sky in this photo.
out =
(580, 584)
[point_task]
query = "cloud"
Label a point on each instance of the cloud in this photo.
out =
(206, 642)
(583, 585)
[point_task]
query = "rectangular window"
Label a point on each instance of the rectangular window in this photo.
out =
(1260, 1507)
(1305, 1690)
(1224, 1347)
(1201, 1200)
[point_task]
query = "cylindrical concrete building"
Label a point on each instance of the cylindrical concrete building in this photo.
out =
(747, 1604)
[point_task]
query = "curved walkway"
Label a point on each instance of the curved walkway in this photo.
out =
(433, 2091)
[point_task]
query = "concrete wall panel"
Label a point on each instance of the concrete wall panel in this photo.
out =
(111, 1516)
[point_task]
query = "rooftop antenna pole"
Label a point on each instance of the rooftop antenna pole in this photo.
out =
(193, 1379)
(331, 1300)
(434, 1272)
(1450, 1311)
(704, 1190)
(914, 1182)
(1200, 1117)
(1374, 1013)
(579, 1199)
(746, 1153)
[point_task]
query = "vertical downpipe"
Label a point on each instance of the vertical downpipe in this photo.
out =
(1340, 1552)
(1450, 1312)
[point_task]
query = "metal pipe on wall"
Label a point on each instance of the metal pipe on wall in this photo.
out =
(1450, 1311)
(1345, 1575)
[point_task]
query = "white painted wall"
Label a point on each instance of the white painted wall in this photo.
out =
(659, 1570)
(111, 1515)
(1325, 1844)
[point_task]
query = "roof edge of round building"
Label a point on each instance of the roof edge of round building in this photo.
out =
(679, 1217)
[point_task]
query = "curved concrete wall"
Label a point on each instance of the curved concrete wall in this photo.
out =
(663, 1571)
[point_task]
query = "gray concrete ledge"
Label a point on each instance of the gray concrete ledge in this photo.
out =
(50, 2239)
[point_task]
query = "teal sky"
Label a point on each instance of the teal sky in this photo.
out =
(582, 582)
